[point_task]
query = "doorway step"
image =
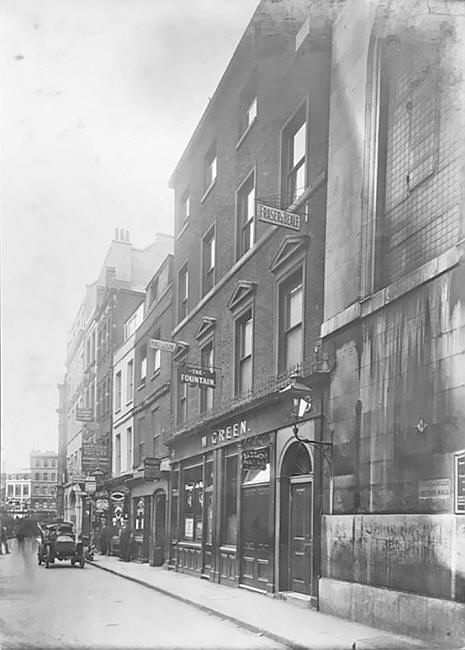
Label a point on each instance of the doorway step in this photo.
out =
(302, 600)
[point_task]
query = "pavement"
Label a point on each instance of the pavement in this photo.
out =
(290, 624)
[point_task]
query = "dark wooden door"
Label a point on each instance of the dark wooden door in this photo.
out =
(301, 537)
(160, 531)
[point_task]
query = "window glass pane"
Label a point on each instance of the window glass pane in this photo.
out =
(230, 500)
(298, 145)
(252, 476)
(295, 306)
(246, 375)
(247, 338)
(294, 347)
(250, 207)
(193, 503)
(252, 112)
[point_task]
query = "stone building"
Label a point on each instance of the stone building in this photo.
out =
(394, 323)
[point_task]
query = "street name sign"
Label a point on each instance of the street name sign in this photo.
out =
(278, 217)
(166, 346)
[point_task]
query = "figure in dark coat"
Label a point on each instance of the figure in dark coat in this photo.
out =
(4, 540)
(125, 543)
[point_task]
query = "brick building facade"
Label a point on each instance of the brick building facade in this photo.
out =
(249, 305)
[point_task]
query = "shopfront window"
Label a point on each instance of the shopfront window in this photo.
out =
(255, 506)
(174, 504)
(230, 500)
(192, 489)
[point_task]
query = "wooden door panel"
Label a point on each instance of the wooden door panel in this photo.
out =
(301, 537)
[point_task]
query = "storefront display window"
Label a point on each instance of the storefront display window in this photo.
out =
(255, 510)
(193, 503)
(230, 500)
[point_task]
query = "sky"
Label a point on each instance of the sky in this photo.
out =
(99, 99)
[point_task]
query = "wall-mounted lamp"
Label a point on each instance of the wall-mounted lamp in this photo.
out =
(300, 396)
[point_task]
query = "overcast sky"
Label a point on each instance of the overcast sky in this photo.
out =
(98, 101)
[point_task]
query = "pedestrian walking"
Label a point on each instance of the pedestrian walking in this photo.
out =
(4, 540)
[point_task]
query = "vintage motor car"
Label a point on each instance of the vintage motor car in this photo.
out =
(59, 542)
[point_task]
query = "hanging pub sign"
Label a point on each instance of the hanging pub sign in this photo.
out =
(460, 483)
(255, 458)
(152, 469)
(278, 217)
(202, 377)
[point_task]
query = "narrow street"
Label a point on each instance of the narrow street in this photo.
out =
(65, 607)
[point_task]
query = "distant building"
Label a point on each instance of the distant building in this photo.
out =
(44, 479)
(18, 493)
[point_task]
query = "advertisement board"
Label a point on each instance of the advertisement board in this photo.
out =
(459, 467)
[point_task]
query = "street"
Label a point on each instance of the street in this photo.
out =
(65, 607)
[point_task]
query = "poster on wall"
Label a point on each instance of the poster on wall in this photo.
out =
(460, 483)
(189, 528)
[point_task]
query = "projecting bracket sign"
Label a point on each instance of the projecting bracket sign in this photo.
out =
(278, 217)
(166, 346)
(201, 377)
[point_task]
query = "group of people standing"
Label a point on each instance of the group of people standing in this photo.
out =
(126, 541)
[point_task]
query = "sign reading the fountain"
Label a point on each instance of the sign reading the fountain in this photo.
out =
(201, 377)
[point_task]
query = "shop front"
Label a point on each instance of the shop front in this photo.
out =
(148, 490)
(242, 504)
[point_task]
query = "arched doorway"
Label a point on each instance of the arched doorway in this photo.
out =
(159, 525)
(296, 500)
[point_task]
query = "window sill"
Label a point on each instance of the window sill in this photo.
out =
(244, 135)
(183, 229)
(208, 190)
(118, 410)
(141, 385)
(129, 403)
(155, 374)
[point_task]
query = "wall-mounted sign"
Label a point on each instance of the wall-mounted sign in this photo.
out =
(278, 217)
(85, 415)
(96, 455)
(226, 434)
(255, 458)
(152, 469)
(189, 528)
(202, 377)
(166, 346)
(90, 486)
(436, 488)
(460, 483)
(102, 505)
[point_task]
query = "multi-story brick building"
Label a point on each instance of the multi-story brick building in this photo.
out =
(394, 318)
(44, 480)
(141, 412)
(152, 412)
(96, 333)
(250, 195)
